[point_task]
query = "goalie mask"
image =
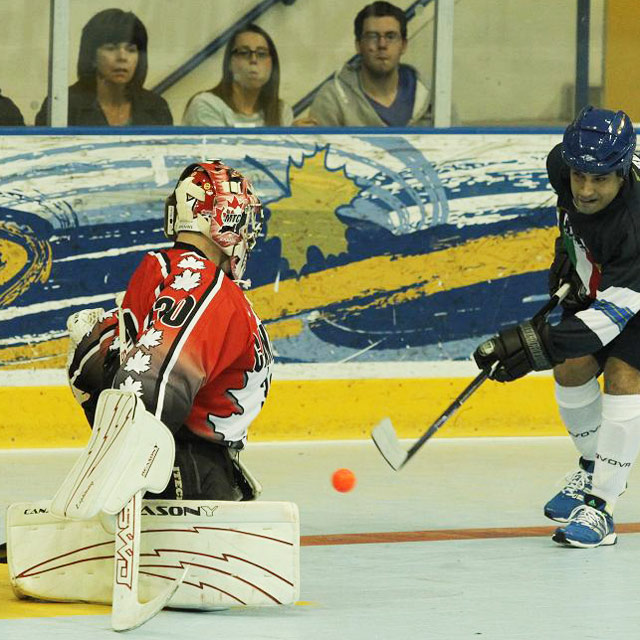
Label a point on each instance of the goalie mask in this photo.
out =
(219, 202)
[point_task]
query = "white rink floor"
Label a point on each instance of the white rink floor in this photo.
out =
(520, 587)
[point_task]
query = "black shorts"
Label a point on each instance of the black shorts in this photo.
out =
(203, 470)
(625, 347)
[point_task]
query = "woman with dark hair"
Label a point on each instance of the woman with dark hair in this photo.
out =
(247, 95)
(10, 115)
(112, 67)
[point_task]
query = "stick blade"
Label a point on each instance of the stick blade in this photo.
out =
(385, 438)
(129, 614)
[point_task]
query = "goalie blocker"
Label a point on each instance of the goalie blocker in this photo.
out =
(238, 553)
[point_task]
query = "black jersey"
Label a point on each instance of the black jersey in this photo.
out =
(605, 250)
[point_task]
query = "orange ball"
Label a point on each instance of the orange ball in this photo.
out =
(343, 480)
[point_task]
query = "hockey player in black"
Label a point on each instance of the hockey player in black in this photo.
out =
(598, 253)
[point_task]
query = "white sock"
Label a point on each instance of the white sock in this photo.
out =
(618, 446)
(581, 411)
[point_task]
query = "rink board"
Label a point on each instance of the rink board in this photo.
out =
(320, 409)
(396, 250)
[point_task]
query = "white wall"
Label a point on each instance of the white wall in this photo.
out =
(513, 58)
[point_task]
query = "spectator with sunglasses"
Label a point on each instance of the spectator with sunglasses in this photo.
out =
(247, 95)
(375, 90)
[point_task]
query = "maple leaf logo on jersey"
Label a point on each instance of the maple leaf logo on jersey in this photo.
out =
(186, 281)
(151, 338)
(138, 363)
(191, 263)
(130, 384)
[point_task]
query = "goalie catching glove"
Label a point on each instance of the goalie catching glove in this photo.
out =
(516, 351)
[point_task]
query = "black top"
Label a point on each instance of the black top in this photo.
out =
(147, 108)
(605, 249)
(10, 115)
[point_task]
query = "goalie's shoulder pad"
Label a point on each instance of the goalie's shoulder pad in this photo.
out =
(130, 450)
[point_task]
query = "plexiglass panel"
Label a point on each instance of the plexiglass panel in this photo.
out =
(185, 50)
(515, 61)
(24, 47)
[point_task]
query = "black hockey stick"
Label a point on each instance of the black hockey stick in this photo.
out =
(385, 436)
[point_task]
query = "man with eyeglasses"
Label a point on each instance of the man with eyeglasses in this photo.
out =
(375, 90)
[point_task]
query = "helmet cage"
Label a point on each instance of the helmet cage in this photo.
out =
(218, 202)
(599, 141)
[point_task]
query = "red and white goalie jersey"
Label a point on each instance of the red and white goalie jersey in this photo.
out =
(197, 353)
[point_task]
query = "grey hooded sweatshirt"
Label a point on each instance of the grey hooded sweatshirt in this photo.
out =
(341, 102)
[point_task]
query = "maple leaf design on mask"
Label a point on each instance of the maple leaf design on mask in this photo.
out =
(186, 281)
(139, 362)
(150, 338)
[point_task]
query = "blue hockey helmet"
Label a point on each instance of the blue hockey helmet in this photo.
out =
(599, 141)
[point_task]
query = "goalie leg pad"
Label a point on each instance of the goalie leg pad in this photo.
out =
(129, 451)
(239, 553)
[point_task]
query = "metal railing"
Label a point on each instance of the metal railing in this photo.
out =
(218, 43)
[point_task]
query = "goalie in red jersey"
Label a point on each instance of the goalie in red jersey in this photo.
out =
(194, 352)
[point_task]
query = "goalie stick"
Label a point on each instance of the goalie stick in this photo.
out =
(384, 435)
(127, 611)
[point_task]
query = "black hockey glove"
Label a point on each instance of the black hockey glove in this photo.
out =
(561, 271)
(518, 350)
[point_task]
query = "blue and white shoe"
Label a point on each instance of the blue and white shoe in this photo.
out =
(589, 527)
(561, 506)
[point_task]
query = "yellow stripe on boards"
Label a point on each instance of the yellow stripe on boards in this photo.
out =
(349, 409)
(36, 417)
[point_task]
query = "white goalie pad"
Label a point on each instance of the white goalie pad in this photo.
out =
(130, 450)
(239, 553)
